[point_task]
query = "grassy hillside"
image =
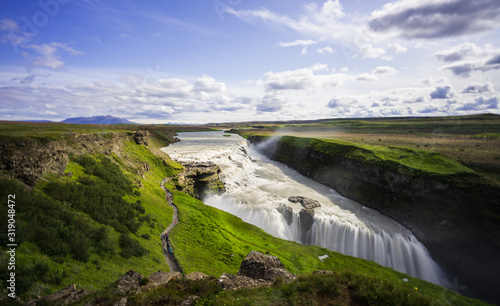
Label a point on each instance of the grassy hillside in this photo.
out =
(91, 228)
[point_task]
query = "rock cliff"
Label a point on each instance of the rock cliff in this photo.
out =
(28, 159)
(199, 179)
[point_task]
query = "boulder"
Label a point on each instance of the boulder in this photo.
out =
(256, 270)
(129, 282)
(305, 202)
(267, 267)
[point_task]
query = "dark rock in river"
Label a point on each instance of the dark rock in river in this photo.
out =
(305, 202)
(306, 218)
(287, 212)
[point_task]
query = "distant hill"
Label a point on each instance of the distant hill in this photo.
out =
(37, 121)
(98, 120)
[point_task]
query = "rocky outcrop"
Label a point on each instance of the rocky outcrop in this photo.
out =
(97, 143)
(256, 270)
(199, 179)
(129, 283)
(64, 296)
(28, 159)
(142, 138)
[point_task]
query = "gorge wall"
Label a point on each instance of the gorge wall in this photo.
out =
(455, 216)
(28, 158)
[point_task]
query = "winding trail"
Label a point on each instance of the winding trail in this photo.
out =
(172, 262)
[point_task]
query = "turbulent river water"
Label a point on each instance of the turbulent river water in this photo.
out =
(256, 186)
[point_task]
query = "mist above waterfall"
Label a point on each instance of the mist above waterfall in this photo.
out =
(257, 186)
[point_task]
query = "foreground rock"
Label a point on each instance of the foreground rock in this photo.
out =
(130, 282)
(256, 270)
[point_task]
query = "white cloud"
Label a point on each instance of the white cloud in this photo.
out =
(9, 25)
(342, 102)
(397, 48)
(443, 92)
(366, 77)
(460, 52)
(468, 57)
(384, 70)
(322, 22)
(303, 79)
(271, 103)
(431, 19)
(297, 42)
(432, 80)
(481, 103)
(209, 84)
(368, 51)
(130, 97)
(325, 50)
(479, 88)
(48, 55)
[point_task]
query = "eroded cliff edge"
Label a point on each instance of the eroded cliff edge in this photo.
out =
(455, 214)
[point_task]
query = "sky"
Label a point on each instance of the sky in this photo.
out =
(195, 61)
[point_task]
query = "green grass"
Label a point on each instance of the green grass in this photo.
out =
(404, 159)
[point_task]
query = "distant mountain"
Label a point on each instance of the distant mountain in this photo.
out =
(98, 120)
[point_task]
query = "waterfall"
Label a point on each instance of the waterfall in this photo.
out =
(257, 187)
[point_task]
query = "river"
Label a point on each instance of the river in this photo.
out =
(256, 186)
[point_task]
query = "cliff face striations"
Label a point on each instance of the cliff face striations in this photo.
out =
(27, 159)
(455, 215)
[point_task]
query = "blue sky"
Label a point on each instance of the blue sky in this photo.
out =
(237, 60)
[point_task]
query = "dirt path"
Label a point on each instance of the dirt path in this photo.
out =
(169, 256)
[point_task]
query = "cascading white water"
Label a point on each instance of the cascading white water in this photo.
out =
(256, 186)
